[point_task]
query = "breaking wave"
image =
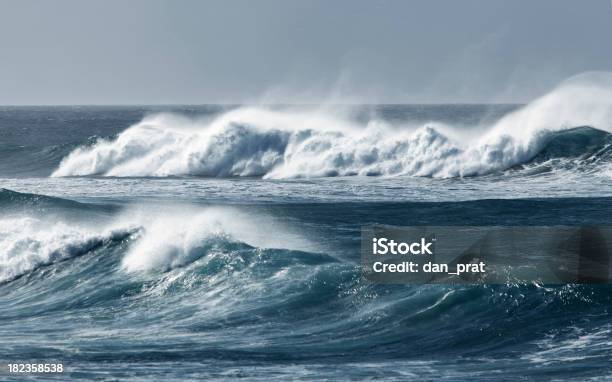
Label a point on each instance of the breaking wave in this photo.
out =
(231, 285)
(285, 144)
(27, 243)
(31, 237)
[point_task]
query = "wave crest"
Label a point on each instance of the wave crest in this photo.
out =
(178, 237)
(27, 243)
(284, 144)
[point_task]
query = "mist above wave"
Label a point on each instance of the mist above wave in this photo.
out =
(286, 144)
(169, 237)
(179, 236)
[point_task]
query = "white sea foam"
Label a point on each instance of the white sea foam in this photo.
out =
(180, 235)
(27, 243)
(169, 237)
(285, 144)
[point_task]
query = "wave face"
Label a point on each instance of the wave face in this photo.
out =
(284, 144)
(195, 287)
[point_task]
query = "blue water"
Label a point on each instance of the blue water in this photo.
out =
(135, 244)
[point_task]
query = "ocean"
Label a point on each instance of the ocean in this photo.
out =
(222, 242)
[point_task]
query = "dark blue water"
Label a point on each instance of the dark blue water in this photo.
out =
(163, 252)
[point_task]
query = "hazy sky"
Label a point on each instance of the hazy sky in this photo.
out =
(180, 51)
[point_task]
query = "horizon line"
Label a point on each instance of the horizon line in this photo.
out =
(264, 104)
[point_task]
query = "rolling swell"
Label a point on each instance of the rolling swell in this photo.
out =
(198, 285)
(249, 304)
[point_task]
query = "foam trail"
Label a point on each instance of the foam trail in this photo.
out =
(284, 144)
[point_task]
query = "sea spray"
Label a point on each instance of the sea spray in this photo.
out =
(283, 144)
